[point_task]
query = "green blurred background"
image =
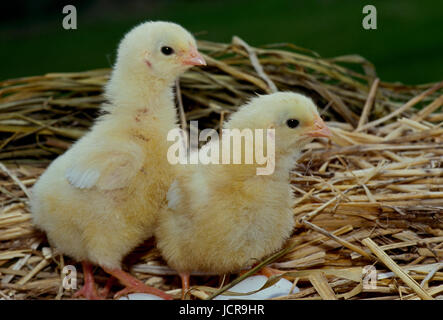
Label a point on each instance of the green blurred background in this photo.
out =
(407, 46)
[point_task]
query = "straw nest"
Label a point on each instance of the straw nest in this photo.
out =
(369, 200)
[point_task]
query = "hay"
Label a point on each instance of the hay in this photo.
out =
(373, 196)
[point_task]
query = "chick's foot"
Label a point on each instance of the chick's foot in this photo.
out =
(88, 290)
(104, 292)
(265, 271)
(269, 272)
(185, 283)
(133, 285)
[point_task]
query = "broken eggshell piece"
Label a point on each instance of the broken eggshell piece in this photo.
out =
(281, 288)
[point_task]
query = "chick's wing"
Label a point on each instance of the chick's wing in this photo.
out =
(107, 169)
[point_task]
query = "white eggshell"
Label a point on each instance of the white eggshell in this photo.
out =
(141, 296)
(281, 288)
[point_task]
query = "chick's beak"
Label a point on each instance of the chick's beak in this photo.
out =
(319, 129)
(193, 58)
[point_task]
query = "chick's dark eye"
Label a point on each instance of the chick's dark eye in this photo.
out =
(167, 51)
(292, 123)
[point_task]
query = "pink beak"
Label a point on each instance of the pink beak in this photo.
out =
(320, 129)
(194, 58)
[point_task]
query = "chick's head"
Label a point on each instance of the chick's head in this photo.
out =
(293, 116)
(160, 49)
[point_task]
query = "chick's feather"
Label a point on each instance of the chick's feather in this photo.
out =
(106, 167)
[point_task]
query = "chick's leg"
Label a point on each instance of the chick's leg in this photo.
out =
(107, 288)
(185, 283)
(88, 290)
(134, 285)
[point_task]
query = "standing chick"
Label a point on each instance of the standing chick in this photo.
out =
(100, 199)
(223, 217)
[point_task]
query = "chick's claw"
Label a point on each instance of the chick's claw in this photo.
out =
(142, 288)
(269, 272)
(89, 292)
(104, 292)
(265, 271)
(133, 285)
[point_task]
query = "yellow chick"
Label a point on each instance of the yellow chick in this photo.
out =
(222, 218)
(99, 200)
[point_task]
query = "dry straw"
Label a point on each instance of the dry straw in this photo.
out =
(371, 196)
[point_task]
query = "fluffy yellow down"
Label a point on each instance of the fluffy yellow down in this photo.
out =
(222, 218)
(100, 199)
